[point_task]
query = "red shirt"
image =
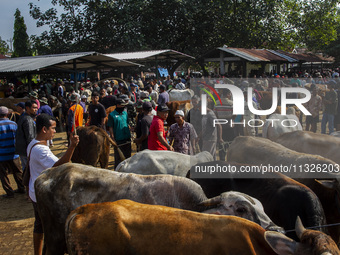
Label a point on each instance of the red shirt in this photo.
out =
(157, 125)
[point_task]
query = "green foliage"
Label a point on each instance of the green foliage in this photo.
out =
(190, 26)
(21, 42)
(4, 48)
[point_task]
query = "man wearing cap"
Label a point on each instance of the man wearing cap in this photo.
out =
(45, 108)
(118, 123)
(97, 112)
(9, 161)
(157, 139)
(79, 113)
(26, 131)
(145, 123)
(20, 109)
(182, 135)
(163, 97)
(134, 93)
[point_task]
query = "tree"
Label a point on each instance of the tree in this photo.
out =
(21, 42)
(189, 26)
(4, 48)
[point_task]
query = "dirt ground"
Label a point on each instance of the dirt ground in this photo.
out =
(16, 214)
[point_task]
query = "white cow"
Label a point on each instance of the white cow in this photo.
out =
(162, 162)
(278, 124)
(312, 143)
(180, 95)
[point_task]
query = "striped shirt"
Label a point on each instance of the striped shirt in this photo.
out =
(7, 140)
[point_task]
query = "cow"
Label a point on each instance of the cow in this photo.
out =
(162, 162)
(180, 95)
(93, 147)
(266, 100)
(258, 151)
(278, 124)
(60, 190)
(312, 242)
(185, 106)
(128, 227)
(283, 198)
(312, 143)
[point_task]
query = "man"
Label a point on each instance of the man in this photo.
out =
(34, 97)
(157, 139)
(109, 100)
(45, 108)
(331, 102)
(180, 85)
(9, 161)
(182, 135)
(20, 109)
(134, 93)
(163, 97)
(96, 112)
(118, 123)
(78, 115)
(314, 106)
(26, 131)
(130, 109)
(142, 135)
(42, 158)
(168, 82)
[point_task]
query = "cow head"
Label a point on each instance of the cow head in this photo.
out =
(311, 242)
(241, 205)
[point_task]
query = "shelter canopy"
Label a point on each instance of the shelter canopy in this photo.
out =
(153, 55)
(68, 62)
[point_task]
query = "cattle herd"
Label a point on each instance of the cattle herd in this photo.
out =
(153, 204)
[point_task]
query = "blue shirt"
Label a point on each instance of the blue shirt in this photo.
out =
(45, 109)
(163, 98)
(8, 129)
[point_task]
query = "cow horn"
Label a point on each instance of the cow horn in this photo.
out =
(211, 201)
(299, 228)
(326, 253)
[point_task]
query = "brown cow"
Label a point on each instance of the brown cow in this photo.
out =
(185, 106)
(93, 147)
(127, 227)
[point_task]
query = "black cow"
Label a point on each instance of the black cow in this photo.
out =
(283, 198)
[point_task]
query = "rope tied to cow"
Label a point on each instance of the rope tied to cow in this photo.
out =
(315, 227)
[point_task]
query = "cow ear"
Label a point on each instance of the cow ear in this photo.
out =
(330, 184)
(280, 243)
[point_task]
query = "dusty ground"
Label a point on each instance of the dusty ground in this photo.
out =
(16, 214)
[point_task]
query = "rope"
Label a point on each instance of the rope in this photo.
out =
(315, 227)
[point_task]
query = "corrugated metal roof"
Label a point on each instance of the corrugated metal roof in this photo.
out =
(289, 59)
(83, 60)
(237, 52)
(150, 55)
(304, 57)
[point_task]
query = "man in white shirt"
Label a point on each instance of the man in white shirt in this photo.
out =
(41, 158)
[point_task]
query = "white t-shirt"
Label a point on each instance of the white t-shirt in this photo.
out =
(41, 159)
